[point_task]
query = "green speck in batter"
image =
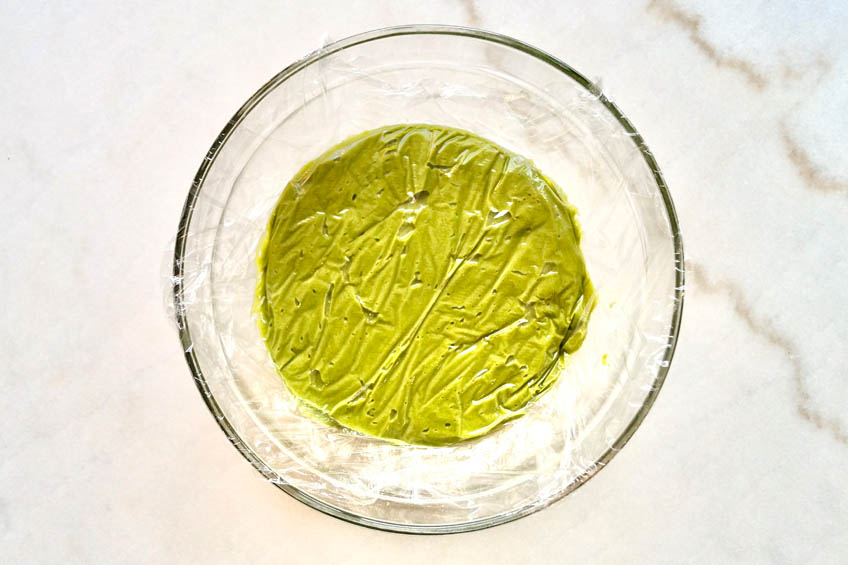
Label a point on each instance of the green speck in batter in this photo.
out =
(420, 283)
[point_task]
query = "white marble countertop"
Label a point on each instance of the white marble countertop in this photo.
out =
(107, 453)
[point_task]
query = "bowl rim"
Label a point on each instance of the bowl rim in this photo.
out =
(197, 186)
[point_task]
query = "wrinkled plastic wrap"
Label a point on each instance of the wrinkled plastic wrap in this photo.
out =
(531, 105)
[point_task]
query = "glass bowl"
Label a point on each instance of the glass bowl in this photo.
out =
(528, 102)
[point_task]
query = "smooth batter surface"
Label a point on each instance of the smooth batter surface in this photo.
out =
(419, 283)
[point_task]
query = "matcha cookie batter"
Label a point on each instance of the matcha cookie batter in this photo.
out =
(419, 283)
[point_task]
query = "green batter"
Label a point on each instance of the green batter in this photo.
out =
(419, 283)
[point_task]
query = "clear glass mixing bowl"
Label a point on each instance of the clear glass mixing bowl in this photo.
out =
(532, 104)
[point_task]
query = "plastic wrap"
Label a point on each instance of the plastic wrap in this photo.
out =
(525, 101)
